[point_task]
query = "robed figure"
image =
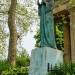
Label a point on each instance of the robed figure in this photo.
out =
(45, 11)
(42, 58)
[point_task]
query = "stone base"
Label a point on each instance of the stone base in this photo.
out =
(41, 58)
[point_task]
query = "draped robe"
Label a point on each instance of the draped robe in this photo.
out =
(45, 11)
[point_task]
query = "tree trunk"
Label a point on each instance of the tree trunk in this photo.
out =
(13, 33)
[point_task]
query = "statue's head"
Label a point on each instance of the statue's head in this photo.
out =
(39, 1)
(49, 3)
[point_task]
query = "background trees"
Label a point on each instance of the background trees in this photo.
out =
(13, 33)
(15, 20)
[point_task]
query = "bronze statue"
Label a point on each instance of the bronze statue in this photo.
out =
(45, 11)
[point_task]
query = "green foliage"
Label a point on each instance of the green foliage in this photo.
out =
(22, 65)
(3, 65)
(59, 28)
(60, 22)
(23, 62)
(16, 71)
(72, 3)
(23, 59)
(22, 18)
(3, 37)
(37, 38)
(67, 69)
(59, 38)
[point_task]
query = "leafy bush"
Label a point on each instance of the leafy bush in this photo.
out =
(67, 69)
(3, 66)
(22, 64)
(16, 71)
(23, 61)
(6, 69)
(21, 68)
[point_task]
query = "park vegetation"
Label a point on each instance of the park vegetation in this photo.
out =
(65, 69)
(15, 20)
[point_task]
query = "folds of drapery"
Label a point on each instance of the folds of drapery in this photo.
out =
(46, 26)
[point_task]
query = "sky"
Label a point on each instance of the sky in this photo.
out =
(28, 40)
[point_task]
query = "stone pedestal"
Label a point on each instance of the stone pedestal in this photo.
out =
(41, 58)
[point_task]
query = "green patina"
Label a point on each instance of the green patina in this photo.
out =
(45, 10)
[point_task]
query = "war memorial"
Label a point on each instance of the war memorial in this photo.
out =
(48, 54)
(42, 58)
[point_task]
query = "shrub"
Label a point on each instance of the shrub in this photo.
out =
(67, 69)
(16, 71)
(3, 66)
(21, 68)
(22, 61)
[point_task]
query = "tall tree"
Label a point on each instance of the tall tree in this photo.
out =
(13, 33)
(25, 15)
